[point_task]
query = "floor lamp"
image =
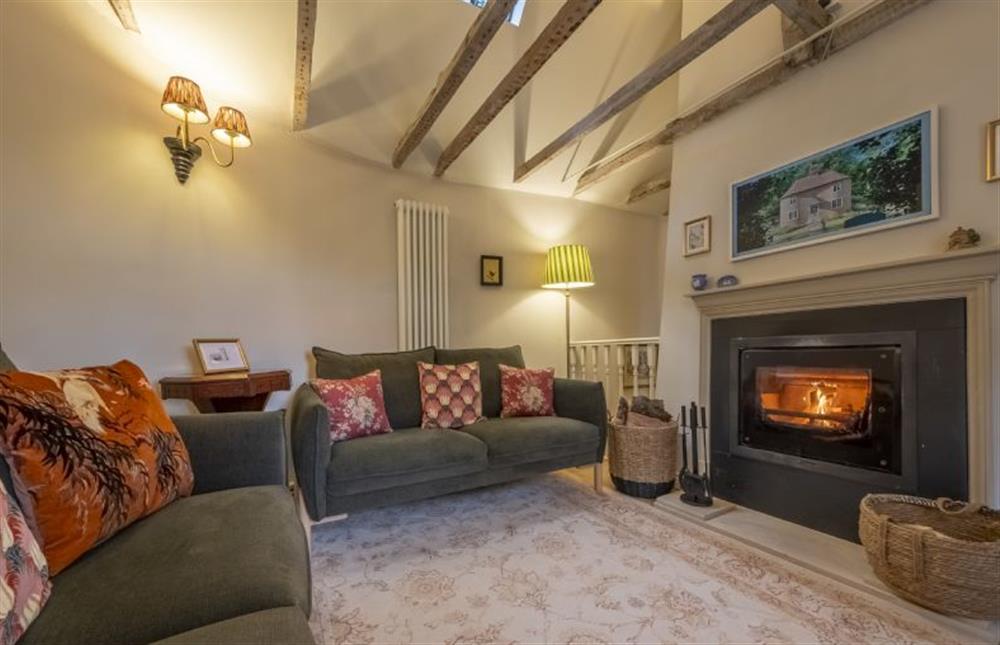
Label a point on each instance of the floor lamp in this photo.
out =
(568, 267)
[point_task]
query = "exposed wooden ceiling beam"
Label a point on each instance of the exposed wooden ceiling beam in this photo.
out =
(123, 9)
(693, 45)
(647, 188)
(839, 39)
(487, 23)
(807, 14)
(305, 33)
(560, 28)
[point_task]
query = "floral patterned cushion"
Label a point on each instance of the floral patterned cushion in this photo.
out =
(90, 451)
(24, 575)
(451, 396)
(356, 405)
(527, 392)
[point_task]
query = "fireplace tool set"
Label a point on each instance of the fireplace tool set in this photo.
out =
(695, 484)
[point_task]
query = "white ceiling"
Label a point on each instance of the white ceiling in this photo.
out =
(374, 63)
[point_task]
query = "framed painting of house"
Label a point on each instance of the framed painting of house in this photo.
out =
(882, 179)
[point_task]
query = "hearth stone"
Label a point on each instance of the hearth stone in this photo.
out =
(814, 409)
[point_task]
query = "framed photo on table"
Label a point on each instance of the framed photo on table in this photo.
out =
(221, 355)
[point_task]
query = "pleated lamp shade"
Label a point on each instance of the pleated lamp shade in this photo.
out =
(183, 97)
(231, 128)
(568, 267)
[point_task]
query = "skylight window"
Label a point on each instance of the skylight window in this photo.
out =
(514, 17)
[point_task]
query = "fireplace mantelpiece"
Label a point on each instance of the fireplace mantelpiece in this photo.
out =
(971, 275)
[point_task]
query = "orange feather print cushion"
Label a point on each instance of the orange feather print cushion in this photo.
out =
(91, 451)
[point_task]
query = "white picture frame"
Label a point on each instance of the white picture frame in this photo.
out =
(929, 186)
(698, 236)
(221, 355)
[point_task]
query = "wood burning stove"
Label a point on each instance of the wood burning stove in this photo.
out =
(828, 402)
(812, 410)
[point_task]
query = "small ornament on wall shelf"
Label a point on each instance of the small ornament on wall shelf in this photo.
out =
(699, 281)
(728, 280)
(491, 270)
(698, 236)
(963, 238)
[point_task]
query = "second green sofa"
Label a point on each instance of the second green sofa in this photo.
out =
(411, 463)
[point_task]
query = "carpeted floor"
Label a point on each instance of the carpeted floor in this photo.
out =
(548, 561)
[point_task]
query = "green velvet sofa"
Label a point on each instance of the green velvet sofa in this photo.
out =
(227, 565)
(410, 463)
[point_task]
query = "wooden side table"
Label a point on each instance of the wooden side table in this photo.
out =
(227, 392)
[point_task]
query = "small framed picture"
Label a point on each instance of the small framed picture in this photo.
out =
(491, 270)
(220, 355)
(698, 236)
(992, 150)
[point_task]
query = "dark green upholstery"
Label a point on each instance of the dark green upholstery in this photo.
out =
(310, 435)
(401, 458)
(235, 449)
(200, 560)
(583, 401)
(435, 487)
(399, 378)
(412, 464)
(6, 365)
(529, 439)
(280, 626)
(489, 369)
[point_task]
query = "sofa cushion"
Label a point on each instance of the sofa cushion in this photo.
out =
(356, 405)
(401, 458)
(527, 392)
(451, 395)
(528, 439)
(282, 626)
(399, 378)
(489, 360)
(25, 581)
(92, 450)
(198, 561)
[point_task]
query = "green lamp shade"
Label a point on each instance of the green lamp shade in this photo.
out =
(568, 267)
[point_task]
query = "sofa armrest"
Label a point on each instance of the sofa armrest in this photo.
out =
(583, 401)
(310, 432)
(235, 449)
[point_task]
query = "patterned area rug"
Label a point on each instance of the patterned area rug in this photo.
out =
(548, 561)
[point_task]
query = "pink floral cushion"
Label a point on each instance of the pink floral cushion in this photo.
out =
(451, 396)
(356, 405)
(24, 574)
(526, 392)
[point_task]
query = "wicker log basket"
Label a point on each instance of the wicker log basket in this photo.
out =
(643, 459)
(940, 554)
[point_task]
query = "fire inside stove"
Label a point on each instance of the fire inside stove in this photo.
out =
(830, 403)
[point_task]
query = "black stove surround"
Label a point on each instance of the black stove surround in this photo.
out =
(814, 409)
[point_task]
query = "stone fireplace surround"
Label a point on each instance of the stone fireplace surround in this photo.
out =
(970, 275)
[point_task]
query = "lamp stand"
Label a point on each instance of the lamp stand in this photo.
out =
(568, 347)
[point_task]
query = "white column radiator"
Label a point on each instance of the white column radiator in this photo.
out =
(422, 245)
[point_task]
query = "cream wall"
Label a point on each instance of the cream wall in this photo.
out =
(103, 255)
(945, 54)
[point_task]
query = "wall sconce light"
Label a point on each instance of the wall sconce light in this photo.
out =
(183, 100)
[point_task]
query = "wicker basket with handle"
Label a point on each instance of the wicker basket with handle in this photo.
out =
(643, 459)
(940, 554)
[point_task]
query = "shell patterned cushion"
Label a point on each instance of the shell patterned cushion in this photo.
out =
(451, 396)
(527, 392)
(356, 405)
